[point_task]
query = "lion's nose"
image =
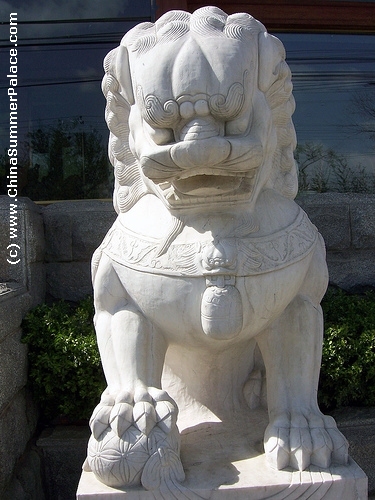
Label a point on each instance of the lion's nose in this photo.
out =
(200, 128)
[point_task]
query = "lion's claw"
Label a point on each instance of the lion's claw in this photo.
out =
(276, 447)
(166, 415)
(340, 447)
(301, 440)
(99, 420)
(148, 408)
(321, 455)
(121, 417)
(144, 416)
(300, 448)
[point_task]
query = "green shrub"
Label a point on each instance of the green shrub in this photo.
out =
(65, 371)
(348, 362)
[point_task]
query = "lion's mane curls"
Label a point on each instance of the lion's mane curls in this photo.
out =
(129, 187)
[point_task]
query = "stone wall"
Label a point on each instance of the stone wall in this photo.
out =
(347, 223)
(73, 230)
(22, 286)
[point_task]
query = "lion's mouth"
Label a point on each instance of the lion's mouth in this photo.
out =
(207, 185)
(206, 189)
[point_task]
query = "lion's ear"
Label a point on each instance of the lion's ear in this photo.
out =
(271, 54)
(123, 74)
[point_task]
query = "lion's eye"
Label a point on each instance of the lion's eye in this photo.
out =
(160, 136)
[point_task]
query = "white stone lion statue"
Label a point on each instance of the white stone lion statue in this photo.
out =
(210, 262)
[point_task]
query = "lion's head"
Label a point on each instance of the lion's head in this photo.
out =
(199, 107)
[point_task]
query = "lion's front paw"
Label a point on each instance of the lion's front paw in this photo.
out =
(148, 408)
(129, 433)
(301, 439)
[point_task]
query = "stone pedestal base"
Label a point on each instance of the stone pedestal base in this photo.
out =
(226, 463)
(255, 482)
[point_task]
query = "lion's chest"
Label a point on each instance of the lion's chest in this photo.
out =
(218, 288)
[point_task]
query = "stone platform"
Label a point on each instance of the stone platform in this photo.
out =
(253, 484)
(227, 463)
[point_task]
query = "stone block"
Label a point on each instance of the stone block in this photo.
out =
(13, 367)
(5, 269)
(14, 303)
(26, 483)
(332, 484)
(35, 241)
(70, 233)
(12, 272)
(68, 280)
(29, 239)
(332, 218)
(37, 282)
(17, 424)
(220, 464)
(58, 233)
(85, 240)
(363, 223)
(64, 451)
(352, 270)
(333, 224)
(358, 426)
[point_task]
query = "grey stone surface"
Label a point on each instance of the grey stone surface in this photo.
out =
(358, 426)
(8, 272)
(22, 286)
(333, 223)
(26, 483)
(85, 240)
(347, 223)
(30, 240)
(352, 270)
(34, 232)
(70, 234)
(37, 282)
(17, 424)
(69, 280)
(13, 367)
(363, 224)
(15, 301)
(64, 451)
(5, 274)
(73, 232)
(58, 231)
